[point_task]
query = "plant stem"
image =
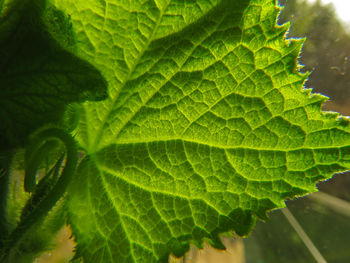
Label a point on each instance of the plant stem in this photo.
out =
(303, 236)
(58, 190)
(5, 163)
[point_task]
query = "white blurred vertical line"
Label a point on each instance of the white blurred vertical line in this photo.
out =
(304, 237)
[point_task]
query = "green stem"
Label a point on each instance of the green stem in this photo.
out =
(33, 159)
(44, 186)
(58, 189)
(5, 163)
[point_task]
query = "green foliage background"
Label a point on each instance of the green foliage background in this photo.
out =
(326, 50)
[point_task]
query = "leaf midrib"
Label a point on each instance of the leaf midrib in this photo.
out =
(135, 112)
(131, 72)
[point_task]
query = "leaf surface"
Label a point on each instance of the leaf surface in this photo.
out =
(207, 126)
(38, 76)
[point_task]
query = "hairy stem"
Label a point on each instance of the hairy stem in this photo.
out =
(45, 205)
(5, 163)
(34, 157)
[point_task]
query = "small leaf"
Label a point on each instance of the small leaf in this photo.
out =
(38, 77)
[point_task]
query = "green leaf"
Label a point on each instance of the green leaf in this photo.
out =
(10, 13)
(207, 126)
(38, 76)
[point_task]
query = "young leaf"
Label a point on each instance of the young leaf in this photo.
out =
(38, 77)
(206, 129)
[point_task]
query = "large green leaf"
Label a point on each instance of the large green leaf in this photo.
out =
(206, 129)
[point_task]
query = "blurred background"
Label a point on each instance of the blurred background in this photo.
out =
(315, 228)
